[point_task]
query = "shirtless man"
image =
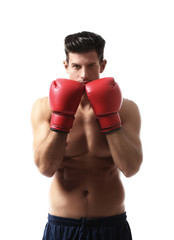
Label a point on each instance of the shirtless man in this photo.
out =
(84, 135)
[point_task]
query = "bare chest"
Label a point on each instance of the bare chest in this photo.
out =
(85, 138)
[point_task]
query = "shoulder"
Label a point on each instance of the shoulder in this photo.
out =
(41, 109)
(130, 113)
(129, 105)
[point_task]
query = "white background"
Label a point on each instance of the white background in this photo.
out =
(140, 52)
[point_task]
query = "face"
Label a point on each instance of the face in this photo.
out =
(84, 67)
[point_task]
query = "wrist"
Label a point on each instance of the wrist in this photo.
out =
(113, 131)
(61, 122)
(109, 122)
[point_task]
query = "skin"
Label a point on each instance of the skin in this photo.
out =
(85, 164)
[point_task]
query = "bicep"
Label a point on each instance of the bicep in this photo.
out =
(40, 124)
(131, 123)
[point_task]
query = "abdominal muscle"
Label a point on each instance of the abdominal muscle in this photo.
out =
(87, 184)
(78, 190)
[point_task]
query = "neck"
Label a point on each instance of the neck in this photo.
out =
(85, 101)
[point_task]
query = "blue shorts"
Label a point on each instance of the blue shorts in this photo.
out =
(105, 228)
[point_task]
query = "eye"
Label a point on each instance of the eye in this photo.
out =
(76, 66)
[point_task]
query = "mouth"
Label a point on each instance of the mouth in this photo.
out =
(84, 82)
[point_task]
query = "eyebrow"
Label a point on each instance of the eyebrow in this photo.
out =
(74, 64)
(92, 63)
(79, 63)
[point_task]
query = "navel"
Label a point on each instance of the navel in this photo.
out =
(85, 193)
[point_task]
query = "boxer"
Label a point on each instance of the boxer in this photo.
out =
(85, 134)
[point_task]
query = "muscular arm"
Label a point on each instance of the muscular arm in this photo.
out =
(48, 146)
(125, 144)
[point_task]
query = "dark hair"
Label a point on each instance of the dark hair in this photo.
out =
(84, 42)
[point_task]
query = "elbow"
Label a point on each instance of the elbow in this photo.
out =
(46, 171)
(131, 171)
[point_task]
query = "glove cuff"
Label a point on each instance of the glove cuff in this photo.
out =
(109, 122)
(61, 123)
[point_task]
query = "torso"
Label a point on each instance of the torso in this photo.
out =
(88, 183)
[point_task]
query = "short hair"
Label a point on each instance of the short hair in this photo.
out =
(82, 42)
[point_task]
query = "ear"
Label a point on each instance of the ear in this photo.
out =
(103, 65)
(66, 65)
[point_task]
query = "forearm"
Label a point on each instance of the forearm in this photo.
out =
(125, 153)
(49, 155)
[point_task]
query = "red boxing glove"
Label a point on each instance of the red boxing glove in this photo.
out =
(64, 97)
(105, 97)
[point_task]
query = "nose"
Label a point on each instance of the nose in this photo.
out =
(84, 74)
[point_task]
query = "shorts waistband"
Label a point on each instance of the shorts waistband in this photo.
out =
(111, 220)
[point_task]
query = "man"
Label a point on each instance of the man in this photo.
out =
(85, 134)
